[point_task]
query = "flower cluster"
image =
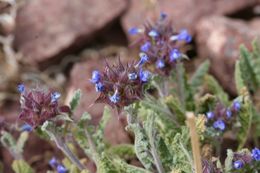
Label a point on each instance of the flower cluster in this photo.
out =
(38, 106)
(57, 166)
(161, 43)
(243, 158)
(120, 85)
(221, 116)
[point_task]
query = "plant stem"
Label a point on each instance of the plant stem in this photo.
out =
(65, 149)
(91, 144)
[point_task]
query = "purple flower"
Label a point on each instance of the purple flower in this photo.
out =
(160, 64)
(255, 154)
(21, 88)
(53, 162)
(219, 124)
(174, 55)
(39, 106)
(236, 105)
(132, 76)
(228, 113)
(143, 59)
(61, 169)
(122, 84)
(26, 127)
(163, 16)
(115, 98)
(210, 115)
(146, 46)
(153, 33)
(184, 35)
(55, 96)
(134, 31)
(238, 164)
(144, 76)
(95, 76)
(99, 87)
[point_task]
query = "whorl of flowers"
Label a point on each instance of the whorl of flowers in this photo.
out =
(161, 43)
(39, 105)
(222, 116)
(120, 85)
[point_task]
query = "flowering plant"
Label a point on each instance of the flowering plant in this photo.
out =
(180, 123)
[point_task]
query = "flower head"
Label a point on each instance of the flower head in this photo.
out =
(21, 88)
(53, 162)
(26, 127)
(61, 169)
(39, 105)
(238, 164)
(256, 154)
(236, 106)
(122, 84)
(158, 44)
(134, 31)
(210, 115)
(95, 76)
(219, 124)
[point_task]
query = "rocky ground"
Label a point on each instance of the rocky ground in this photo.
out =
(59, 43)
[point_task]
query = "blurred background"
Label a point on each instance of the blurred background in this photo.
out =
(57, 44)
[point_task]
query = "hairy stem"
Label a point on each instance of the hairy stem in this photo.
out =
(65, 149)
(91, 144)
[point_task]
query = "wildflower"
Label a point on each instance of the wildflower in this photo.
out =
(61, 169)
(163, 16)
(153, 33)
(228, 113)
(219, 124)
(146, 46)
(185, 36)
(55, 96)
(95, 76)
(174, 55)
(53, 162)
(132, 76)
(236, 106)
(160, 64)
(21, 88)
(134, 31)
(26, 127)
(210, 115)
(144, 75)
(143, 59)
(256, 154)
(99, 87)
(39, 105)
(238, 164)
(122, 84)
(157, 44)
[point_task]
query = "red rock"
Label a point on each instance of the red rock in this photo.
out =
(45, 28)
(79, 79)
(218, 39)
(183, 13)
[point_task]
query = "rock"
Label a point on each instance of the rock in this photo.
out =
(219, 38)
(255, 23)
(46, 28)
(183, 13)
(79, 79)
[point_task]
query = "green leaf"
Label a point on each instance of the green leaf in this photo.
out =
(198, 77)
(20, 166)
(247, 69)
(21, 141)
(215, 88)
(75, 100)
(8, 141)
(229, 161)
(126, 168)
(245, 120)
(141, 145)
(238, 78)
(125, 151)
